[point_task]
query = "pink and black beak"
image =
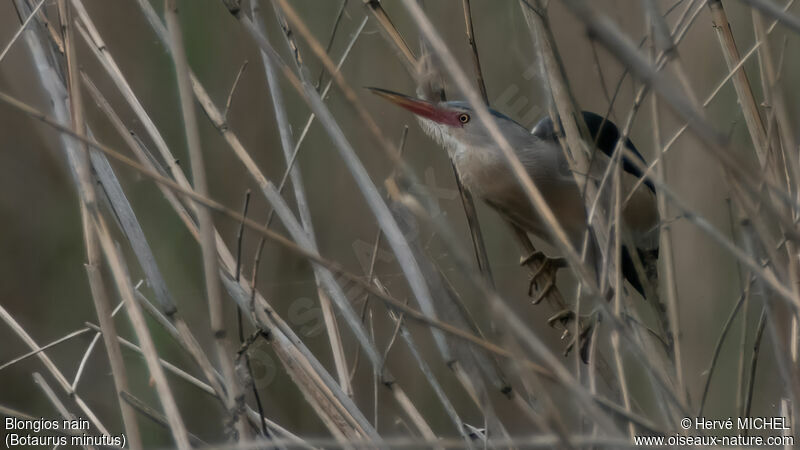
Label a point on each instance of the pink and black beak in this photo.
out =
(422, 108)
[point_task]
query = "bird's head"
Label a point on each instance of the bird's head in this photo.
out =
(453, 124)
(445, 113)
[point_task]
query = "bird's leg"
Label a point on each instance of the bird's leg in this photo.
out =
(544, 271)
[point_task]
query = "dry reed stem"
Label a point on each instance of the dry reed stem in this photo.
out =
(96, 227)
(576, 135)
(666, 251)
(476, 234)
(288, 145)
(181, 182)
(182, 334)
(619, 45)
(783, 317)
(104, 317)
(51, 395)
(354, 165)
(93, 252)
(205, 223)
(741, 83)
(101, 51)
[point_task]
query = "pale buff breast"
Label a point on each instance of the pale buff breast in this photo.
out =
(488, 176)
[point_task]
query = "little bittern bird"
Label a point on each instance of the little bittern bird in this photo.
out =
(484, 170)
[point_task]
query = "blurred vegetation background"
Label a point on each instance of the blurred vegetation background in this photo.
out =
(42, 278)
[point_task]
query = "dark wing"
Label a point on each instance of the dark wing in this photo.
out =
(606, 134)
(606, 141)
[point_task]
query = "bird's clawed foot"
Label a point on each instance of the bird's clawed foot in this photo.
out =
(563, 317)
(583, 339)
(543, 278)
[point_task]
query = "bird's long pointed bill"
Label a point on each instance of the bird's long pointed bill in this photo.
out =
(422, 108)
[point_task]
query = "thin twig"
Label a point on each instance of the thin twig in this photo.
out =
(720, 340)
(748, 402)
(331, 39)
(233, 90)
(60, 340)
(19, 31)
(89, 349)
(465, 4)
(51, 395)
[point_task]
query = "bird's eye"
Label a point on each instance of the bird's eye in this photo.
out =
(463, 118)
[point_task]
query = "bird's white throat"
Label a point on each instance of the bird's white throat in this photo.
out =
(476, 165)
(440, 133)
